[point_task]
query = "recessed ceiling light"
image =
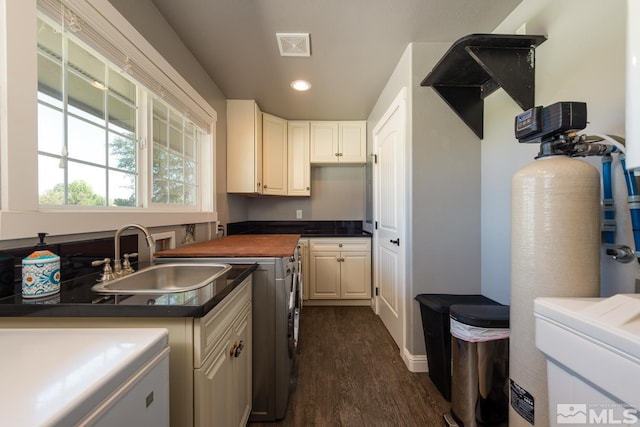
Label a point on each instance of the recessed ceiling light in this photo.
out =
(300, 85)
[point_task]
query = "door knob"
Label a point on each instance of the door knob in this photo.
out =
(395, 242)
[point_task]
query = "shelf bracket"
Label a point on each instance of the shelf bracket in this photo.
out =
(467, 102)
(511, 68)
(477, 65)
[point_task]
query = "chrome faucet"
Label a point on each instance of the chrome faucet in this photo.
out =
(117, 266)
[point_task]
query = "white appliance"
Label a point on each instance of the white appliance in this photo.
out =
(592, 346)
(97, 377)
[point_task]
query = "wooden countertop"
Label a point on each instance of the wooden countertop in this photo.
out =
(238, 245)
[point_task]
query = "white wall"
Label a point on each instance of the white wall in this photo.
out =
(443, 189)
(582, 60)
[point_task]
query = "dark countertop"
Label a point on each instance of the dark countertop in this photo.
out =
(76, 299)
(304, 228)
(242, 245)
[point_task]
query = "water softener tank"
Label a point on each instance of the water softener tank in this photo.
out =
(555, 251)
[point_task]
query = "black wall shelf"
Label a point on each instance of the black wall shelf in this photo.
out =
(478, 64)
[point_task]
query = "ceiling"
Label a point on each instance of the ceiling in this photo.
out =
(355, 45)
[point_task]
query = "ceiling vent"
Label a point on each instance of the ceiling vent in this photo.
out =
(294, 44)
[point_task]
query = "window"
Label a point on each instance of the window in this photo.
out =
(98, 46)
(86, 126)
(175, 151)
(92, 132)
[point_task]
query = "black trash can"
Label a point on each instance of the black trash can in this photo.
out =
(480, 366)
(434, 309)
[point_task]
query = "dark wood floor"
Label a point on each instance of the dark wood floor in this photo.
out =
(350, 373)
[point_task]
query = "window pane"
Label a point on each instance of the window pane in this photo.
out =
(175, 119)
(50, 130)
(160, 157)
(189, 147)
(122, 152)
(160, 132)
(190, 172)
(122, 189)
(122, 117)
(50, 181)
(175, 167)
(49, 81)
(85, 100)
(87, 185)
(122, 86)
(190, 195)
(176, 193)
(49, 39)
(176, 170)
(160, 111)
(175, 140)
(86, 64)
(86, 142)
(160, 191)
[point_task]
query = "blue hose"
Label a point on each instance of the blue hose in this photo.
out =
(634, 202)
(608, 207)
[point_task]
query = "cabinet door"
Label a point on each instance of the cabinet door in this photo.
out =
(242, 368)
(213, 400)
(324, 142)
(324, 275)
(274, 155)
(299, 170)
(353, 142)
(355, 275)
(244, 147)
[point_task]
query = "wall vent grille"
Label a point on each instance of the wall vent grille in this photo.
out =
(294, 44)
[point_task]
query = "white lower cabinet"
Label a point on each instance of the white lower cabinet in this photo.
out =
(340, 268)
(223, 382)
(209, 386)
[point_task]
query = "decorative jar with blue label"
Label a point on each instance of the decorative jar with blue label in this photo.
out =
(40, 273)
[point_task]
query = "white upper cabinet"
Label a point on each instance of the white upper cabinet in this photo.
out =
(244, 147)
(352, 141)
(342, 142)
(324, 142)
(274, 155)
(299, 171)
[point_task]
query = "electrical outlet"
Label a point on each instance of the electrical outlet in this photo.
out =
(298, 213)
(637, 290)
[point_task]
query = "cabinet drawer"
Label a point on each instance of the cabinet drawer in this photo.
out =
(208, 330)
(340, 245)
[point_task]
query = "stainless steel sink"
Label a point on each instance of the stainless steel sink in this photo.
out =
(164, 279)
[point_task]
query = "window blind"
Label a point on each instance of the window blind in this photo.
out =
(86, 23)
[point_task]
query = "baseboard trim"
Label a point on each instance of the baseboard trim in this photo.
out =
(336, 302)
(415, 362)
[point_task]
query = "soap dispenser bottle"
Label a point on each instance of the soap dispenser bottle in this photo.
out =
(40, 272)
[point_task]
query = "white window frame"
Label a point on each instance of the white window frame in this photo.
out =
(20, 213)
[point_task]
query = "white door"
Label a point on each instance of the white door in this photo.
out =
(389, 213)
